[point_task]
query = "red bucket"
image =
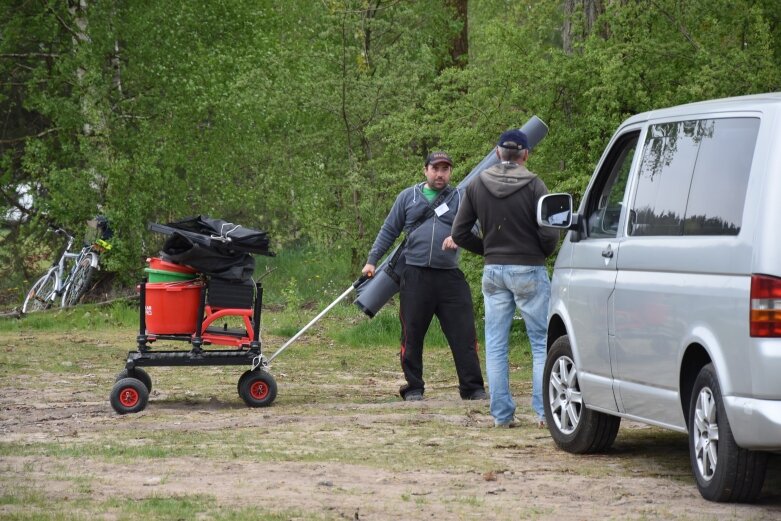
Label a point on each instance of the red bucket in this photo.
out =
(172, 307)
(156, 263)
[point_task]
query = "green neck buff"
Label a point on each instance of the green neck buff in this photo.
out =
(429, 193)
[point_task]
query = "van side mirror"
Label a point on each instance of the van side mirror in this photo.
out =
(555, 211)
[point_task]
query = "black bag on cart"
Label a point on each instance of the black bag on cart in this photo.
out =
(234, 236)
(235, 266)
(213, 247)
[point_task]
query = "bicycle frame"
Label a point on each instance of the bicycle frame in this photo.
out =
(63, 281)
(77, 257)
(86, 259)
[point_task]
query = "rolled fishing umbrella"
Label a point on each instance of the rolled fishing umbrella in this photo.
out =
(375, 292)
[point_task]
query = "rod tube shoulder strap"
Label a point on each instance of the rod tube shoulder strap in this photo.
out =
(427, 214)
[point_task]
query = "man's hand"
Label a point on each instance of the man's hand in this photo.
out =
(449, 244)
(368, 270)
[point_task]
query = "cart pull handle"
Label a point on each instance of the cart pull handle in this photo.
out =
(362, 279)
(258, 361)
(354, 285)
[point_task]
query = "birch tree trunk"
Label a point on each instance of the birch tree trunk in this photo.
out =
(93, 103)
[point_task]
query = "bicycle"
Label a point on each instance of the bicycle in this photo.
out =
(71, 288)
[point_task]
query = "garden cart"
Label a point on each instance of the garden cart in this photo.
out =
(204, 275)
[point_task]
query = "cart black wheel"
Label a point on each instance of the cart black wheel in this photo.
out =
(138, 374)
(129, 395)
(241, 380)
(257, 388)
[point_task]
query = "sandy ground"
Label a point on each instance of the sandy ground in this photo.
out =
(528, 477)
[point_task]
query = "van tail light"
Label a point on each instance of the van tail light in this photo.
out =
(765, 306)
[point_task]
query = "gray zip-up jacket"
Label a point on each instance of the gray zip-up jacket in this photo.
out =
(424, 244)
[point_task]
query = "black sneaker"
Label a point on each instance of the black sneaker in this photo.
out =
(480, 394)
(413, 396)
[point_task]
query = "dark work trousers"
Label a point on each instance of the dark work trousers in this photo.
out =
(426, 292)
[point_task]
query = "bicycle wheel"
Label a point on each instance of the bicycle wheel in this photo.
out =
(41, 295)
(79, 282)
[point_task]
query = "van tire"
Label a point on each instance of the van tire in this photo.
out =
(737, 474)
(588, 431)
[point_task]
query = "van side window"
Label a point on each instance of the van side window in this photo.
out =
(720, 180)
(603, 209)
(693, 177)
(668, 159)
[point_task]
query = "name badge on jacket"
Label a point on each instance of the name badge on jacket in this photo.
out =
(441, 209)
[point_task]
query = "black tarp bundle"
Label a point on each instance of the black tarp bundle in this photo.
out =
(213, 247)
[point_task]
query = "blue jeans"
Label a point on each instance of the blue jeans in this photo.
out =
(506, 287)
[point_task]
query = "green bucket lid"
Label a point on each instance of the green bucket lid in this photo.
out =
(167, 276)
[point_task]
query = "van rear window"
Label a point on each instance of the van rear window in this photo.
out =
(693, 177)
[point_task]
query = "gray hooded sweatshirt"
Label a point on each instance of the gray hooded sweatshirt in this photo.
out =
(503, 198)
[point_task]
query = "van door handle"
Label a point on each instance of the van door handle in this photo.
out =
(607, 252)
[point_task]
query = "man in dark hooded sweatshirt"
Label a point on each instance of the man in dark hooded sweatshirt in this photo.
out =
(503, 198)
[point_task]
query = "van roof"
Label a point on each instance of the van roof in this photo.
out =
(750, 102)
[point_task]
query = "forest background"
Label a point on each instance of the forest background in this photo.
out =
(305, 118)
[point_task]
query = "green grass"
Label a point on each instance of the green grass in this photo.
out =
(344, 325)
(297, 285)
(173, 508)
(447, 446)
(37, 507)
(83, 316)
(304, 275)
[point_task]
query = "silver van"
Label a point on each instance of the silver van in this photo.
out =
(666, 293)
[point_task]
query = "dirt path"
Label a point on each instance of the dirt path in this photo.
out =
(336, 444)
(527, 479)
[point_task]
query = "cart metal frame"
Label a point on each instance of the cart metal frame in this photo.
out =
(256, 386)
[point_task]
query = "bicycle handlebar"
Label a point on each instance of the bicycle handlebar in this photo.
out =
(60, 231)
(98, 245)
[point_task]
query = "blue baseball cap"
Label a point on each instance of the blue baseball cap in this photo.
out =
(513, 139)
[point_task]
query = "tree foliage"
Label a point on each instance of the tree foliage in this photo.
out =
(306, 118)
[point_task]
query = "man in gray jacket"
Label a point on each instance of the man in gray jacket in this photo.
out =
(503, 198)
(431, 283)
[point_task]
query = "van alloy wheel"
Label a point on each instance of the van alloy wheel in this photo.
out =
(566, 401)
(723, 470)
(706, 434)
(572, 425)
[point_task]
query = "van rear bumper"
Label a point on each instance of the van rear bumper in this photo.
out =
(756, 424)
